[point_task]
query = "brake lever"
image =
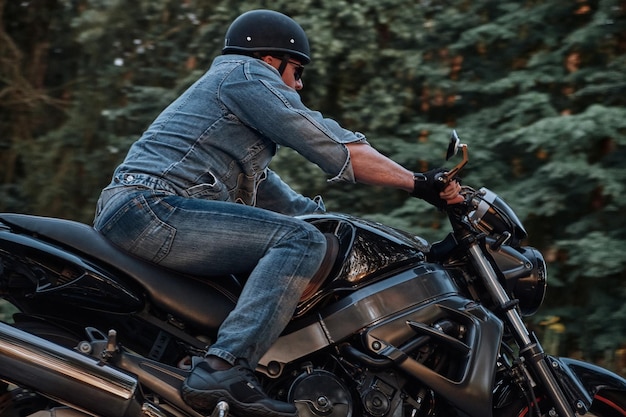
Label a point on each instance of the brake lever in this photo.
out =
(444, 178)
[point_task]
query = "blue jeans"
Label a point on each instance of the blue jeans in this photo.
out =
(206, 237)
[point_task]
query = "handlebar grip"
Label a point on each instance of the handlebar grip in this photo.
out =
(441, 180)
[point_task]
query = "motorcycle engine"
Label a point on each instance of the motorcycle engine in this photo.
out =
(320, 393)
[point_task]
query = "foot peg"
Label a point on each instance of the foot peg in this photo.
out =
(221, 410)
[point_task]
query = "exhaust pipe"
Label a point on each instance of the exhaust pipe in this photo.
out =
(66, 375)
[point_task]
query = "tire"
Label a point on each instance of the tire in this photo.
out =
(605, 404)
(609, 404)
(21, 402)
(46, 331)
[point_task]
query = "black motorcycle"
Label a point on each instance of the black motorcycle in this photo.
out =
(389, 327)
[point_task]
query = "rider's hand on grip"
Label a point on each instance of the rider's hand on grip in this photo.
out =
(431, 186)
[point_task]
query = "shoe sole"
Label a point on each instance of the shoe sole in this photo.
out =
(207, 401)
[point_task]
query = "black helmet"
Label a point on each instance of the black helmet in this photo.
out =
(267, 31)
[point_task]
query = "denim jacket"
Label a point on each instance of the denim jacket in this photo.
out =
(216, 140)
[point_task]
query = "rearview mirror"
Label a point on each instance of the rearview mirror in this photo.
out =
(453, 148)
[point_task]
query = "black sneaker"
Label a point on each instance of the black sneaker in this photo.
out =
(238, 386)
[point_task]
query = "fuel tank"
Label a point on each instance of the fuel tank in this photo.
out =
(367, 249)
(364, 252)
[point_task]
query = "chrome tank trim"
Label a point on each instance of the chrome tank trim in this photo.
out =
(364, 307)
(63, 374)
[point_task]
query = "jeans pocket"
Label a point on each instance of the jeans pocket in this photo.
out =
(108, 202)
(135, 228)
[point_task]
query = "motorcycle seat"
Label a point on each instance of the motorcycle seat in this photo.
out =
(203, 302)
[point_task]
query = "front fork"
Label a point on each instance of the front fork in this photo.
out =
(530, 348)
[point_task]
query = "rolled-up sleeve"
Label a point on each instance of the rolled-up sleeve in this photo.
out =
(258, 97)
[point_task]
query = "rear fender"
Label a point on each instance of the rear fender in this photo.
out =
(40, 272)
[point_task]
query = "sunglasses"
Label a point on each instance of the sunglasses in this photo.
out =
(299, 70)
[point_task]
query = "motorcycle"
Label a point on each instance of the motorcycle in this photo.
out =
(390, 326)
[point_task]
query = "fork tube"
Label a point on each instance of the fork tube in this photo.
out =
(499, 294)
(531, 350)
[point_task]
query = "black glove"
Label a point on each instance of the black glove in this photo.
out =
(427, 187)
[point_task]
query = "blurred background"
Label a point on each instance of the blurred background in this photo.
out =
(536, 88)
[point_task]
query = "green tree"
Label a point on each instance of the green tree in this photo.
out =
(536, 88)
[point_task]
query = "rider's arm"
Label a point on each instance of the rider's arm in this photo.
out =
(371, 167)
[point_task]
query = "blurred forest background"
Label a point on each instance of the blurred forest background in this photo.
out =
(536, 88)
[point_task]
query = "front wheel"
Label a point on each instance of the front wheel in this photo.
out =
(608, 404)
(605, 404)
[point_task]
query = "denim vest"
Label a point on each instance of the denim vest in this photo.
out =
(216, 140)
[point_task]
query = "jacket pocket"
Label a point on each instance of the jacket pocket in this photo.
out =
(210, 189)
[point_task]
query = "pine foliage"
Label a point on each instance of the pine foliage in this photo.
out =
(536, 88)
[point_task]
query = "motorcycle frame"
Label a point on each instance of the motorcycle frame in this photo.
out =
(560, 377)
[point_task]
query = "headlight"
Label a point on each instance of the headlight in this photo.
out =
(493, 216)
(525, 275)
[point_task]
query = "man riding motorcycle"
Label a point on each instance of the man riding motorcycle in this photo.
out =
(195, 194)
